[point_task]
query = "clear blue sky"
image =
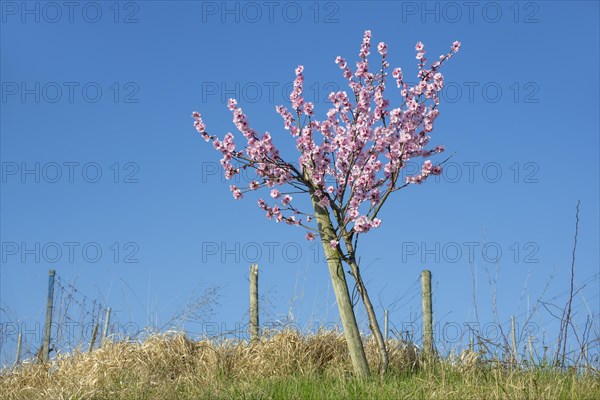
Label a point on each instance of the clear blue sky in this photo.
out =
(104, 89)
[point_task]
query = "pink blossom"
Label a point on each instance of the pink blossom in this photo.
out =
(333, 243)
(286, 115)
(237, 194)
(351, 159)
(362, 224)
(366, 45)
(352, 214)
(198, 123)
(397, 73)
(427, 165)
(262, 205)
(361, 69)
(309, 108)
(231, 104)
(291, 220)
(296, 95)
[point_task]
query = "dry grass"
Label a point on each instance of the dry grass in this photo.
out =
(282, 365)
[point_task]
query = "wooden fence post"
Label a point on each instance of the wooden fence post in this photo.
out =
(254, 303)
(18, 356)
(106, 322)
(385, 325)
(48, 326)
(93, 341)
(513, 331)
(531, 357)
(427, 313)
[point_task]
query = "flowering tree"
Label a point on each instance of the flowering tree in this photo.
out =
(349, 165)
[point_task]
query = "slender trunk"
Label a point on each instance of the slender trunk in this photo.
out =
(373, 324)
(342, 295)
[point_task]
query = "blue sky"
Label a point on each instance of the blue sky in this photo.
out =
(105, 179)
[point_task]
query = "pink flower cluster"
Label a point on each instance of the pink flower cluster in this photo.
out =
(296, 95)
(351, 161)
(276, 212)
(199, 124)
(427, 169)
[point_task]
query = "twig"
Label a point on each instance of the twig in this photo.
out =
(567, 319)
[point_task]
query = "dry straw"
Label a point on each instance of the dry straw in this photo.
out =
(173, 357)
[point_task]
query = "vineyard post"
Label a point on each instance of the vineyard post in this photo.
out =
(385, 325)
(18, 356)
(48, 325)
(106, 322)
(254, 302)
(513, 339)
(93, 341)
(427, 313)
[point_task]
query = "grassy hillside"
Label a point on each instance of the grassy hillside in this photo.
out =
(285, 365)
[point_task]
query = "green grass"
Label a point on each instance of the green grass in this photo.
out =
(431, 383)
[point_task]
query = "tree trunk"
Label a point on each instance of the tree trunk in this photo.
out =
(373, 324)
(340, 288)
